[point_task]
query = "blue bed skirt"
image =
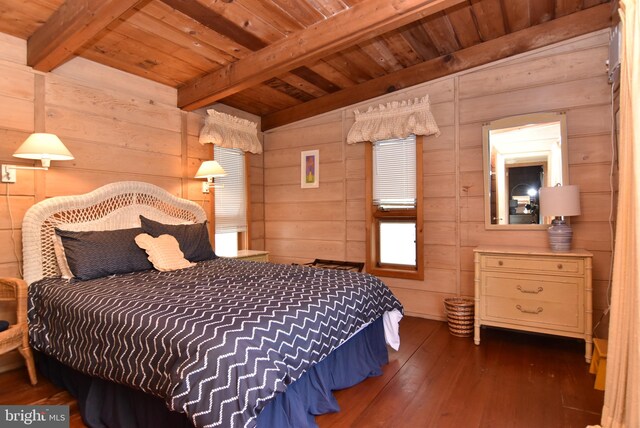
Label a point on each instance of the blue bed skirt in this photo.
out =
(106, 404)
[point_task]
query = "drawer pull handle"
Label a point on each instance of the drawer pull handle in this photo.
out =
(539, 290)
(500, 262)
(559, 265)
(526, 311)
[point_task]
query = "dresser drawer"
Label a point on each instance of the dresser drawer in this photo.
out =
(542, 288)
(553, 265)
(566, 316)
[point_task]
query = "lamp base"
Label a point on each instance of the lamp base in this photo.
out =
(560, 235)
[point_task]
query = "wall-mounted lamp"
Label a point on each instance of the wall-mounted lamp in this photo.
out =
(39, 146)
(559, 202)
(210, 169)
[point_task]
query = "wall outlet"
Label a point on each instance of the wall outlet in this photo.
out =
(8, 174)
(205, 187)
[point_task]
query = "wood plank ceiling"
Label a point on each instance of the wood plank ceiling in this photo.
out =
(287, 60)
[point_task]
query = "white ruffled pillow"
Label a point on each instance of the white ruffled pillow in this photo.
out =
(164, 252)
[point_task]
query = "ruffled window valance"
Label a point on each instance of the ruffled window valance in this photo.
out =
(397, 119)
(224, 130)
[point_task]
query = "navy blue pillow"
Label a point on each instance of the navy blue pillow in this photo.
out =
(193, 238)
(101, 253)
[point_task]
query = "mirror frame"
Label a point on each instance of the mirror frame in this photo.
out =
(510, 122)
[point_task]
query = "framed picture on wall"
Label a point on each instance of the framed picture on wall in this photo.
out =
(310, 169)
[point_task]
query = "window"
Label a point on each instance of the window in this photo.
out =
(231, 202)
(397, 242)
(394, 208)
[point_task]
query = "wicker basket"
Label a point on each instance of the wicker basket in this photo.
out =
(459, 315)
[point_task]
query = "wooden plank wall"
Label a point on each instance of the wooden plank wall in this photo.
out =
(118, 126)
(328, 222)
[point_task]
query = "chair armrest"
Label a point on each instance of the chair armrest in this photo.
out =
(15, 289)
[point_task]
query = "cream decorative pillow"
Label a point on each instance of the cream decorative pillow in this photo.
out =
(164, 252)
(61, 257)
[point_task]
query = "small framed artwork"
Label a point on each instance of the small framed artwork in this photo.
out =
(310, 169)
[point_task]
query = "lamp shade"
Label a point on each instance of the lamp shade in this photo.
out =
(560, 201)
(44, 147)
(210, 168)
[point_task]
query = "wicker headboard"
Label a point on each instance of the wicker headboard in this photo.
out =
(114, 206)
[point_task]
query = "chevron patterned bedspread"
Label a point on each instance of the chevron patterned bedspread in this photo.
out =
(215, 341)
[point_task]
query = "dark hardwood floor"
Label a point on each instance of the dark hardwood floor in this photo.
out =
(438, 380)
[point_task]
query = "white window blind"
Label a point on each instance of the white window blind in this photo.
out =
(394, 173)
(231, 200)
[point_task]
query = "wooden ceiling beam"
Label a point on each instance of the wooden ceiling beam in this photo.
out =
(218, 23)
(69, 28)
(360, 22)
(576, 24)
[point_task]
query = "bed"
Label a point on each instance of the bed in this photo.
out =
(223, 342)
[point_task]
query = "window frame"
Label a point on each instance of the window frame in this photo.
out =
(373, 216)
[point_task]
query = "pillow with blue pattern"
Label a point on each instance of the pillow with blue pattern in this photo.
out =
(193, 238)
(95, 254)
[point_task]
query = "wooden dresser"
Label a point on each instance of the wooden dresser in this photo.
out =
(534, 289)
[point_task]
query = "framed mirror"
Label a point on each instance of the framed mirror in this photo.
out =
(521, 154)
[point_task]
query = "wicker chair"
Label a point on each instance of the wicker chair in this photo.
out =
(17, 336)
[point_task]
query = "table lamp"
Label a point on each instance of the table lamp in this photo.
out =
(559, 202)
